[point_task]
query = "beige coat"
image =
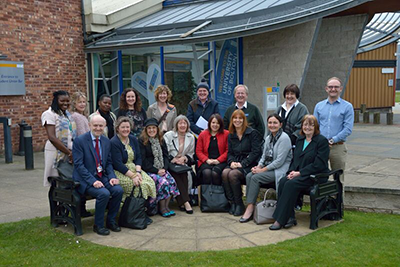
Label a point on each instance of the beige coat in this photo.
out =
(154, 112)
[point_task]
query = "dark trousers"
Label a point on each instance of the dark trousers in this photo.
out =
(181, 180)
(102, 196)
(287, 195)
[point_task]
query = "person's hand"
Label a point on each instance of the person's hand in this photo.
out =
(255, 169)
(216, 162)
(293, 174)
(114, 181)
(234, 165)
(238, 165)
(70, 157)
(136, 181)
(98, 184)
(180, 160)
(209, 161)
(161, 172)
(139, 175)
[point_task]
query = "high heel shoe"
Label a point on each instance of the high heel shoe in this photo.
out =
(291, 222)
(245, 220)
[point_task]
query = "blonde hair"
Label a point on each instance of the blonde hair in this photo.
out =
(75, 98)
(161, 88)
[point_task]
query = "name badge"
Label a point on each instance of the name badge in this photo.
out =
(99, 168)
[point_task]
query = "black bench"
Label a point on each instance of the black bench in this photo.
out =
(326, 199)
(65, 203)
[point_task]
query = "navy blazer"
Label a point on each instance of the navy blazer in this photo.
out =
(313, 160)
(85, 171)
(120, 155)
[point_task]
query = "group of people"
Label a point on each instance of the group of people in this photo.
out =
(115, 154)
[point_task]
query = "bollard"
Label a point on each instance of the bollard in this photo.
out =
(28, 147)
(363, 108)
(7, 138)
(356, 116)
(21, 150)
(389, 118)
(366, 117)
(377, 117)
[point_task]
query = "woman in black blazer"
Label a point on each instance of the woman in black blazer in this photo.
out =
(127, 160)
(244, 151)
(155, 162)
(310, 157)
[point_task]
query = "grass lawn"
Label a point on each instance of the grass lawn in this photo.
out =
(397, 100)
(363, 239)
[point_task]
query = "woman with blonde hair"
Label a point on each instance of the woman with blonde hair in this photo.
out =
(79, 113)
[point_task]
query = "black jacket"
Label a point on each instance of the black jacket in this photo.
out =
(313, 160)
(148, 157)
(246, 151)
(120, 155)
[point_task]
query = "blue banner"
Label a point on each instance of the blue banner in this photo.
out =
(227, 71)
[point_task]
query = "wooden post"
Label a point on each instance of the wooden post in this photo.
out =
(356, 116)
(389, 118)
(366, 117)
(363, 108)
(377, 117)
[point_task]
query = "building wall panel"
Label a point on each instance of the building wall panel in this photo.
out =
(384, 53)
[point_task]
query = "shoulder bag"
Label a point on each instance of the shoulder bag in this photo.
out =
(213, 198)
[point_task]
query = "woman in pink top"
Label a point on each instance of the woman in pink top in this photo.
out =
(79, 113)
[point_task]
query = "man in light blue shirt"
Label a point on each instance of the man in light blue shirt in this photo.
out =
(336, 117)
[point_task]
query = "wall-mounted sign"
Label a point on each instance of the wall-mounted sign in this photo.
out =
(271, 99)
(12, 79)
(387, 70)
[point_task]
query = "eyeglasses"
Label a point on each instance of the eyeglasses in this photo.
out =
(333, 87)
(308, 125)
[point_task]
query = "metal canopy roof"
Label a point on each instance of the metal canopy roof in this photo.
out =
(383, 29)
(205, 21)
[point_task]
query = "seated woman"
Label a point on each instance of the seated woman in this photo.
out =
(180, 145)
(272, 166)
(310, 157)
(155, 163)
(212, 151)
(130, 106)
(244, 151)
(127, 161)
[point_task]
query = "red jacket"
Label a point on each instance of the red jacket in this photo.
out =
(203, 143)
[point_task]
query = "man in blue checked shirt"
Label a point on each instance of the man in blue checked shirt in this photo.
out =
(336, 117)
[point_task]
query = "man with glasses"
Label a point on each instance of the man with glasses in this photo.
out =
(253, 115)
(336, 117)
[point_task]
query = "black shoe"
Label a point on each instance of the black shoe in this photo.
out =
(232, 209)
(148, 221)
(113, 227)
(243, 220)
(275, 227)
(182, 208)
(189, 211)
(290, 223)
(85, 214)
(101, 231)
(239, 210)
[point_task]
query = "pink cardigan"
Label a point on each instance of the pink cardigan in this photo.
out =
(203, 143)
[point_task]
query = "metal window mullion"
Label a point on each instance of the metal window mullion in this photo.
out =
(102, 74)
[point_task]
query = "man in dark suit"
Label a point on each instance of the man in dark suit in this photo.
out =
(93, 169)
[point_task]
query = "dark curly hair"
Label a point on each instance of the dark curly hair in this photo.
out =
(122, 101)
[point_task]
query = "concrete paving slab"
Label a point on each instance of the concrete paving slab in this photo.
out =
(385, 167)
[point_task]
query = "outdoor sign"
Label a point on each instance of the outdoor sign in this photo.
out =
(12, 79)
(152, 81)
(138, 82)
(271, 99)
(227, 71)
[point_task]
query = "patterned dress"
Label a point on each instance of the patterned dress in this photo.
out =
(147, 185)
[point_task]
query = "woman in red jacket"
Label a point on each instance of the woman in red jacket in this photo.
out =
(212, 151)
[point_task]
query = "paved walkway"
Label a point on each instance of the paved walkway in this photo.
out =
(373, 163)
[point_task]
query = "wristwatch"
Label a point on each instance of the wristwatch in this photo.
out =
(331, 141)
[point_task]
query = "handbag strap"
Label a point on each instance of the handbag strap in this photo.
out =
(266, 192)
(140, 192)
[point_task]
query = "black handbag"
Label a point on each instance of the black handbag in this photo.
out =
(65, 169)
(133, 212)
(177, 168)
(213, 198)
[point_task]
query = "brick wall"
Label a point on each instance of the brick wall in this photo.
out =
(47, 36)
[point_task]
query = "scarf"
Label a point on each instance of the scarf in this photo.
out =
(110, 123)
(269, 149)
(65, 126)
(157, 153)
